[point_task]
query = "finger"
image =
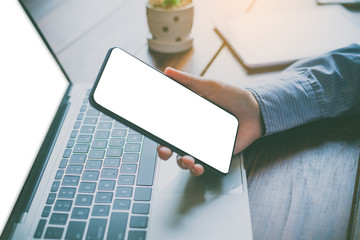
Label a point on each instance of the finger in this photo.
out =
(179, 163)
(164, 152)
(197, 170)
(186, 162)
(206, 88)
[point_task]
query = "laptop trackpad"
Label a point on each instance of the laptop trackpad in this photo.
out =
(172, 179)
(206, 207)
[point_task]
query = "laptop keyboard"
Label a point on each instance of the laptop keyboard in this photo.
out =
(103, 186)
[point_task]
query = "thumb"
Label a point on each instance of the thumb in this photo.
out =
(199, 85)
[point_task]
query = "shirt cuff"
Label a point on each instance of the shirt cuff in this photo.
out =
(286, 101)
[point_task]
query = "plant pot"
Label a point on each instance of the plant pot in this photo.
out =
(170, 28)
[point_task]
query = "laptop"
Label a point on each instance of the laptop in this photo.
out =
(93, 177)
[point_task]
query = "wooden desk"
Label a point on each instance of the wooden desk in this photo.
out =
(301, 182)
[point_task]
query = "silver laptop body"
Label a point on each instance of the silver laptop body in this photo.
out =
(92, 197)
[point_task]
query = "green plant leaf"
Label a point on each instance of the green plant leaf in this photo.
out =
(169, 3)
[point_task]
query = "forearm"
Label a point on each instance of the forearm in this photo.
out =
(311, 89)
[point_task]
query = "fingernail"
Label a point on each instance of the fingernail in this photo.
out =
(183, 164)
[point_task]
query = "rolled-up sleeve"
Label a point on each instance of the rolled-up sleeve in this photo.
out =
(311, 89)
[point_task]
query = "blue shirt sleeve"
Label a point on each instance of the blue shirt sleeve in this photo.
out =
(311, 89)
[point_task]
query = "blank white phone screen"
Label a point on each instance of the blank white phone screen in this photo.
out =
(152, 101)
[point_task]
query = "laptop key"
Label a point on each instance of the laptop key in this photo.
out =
(101, 144)
(91, 112)
(74, 169)
(83, 200)
(62, 205)
(117, 226)
(125, 192)
(147, 163)
(141, 208)
(69, 180)
(70, 143)
(105, 118)
(102, 134)
(132, 131)
(63, 163)
(103, 197)
(67, 153)
(90, 175)
(97, 154)
(132, 147)
(74, 133)
(46, 211)
(59, 174)
(107, 185)
(100, 210)
(75, 230)
(96, 229)
(90, 121)
(119, 132)
(121, 204)
(54, 233)
(138, 221)
(112, 162)
(134, 138)
(40, 228)
(67, 192)
(58, 218)
(93, 164)
(109, 173)
(114, 152)
(83, 108)
(104, 125)
(131, 157)
(142, 194)
(55, 186)
(87, 129)
(117, 142)
(80, 213)
(137, 235)
(51, 198)
(77, 124)
(126, 180)
(84, 138)
(81, 148)
(78, 158)
(87, 187)
(80, 116)
(128, 168)
(119, 125)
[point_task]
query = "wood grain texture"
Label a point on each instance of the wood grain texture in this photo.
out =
(81, 34)
(301, 182)
(354, 223)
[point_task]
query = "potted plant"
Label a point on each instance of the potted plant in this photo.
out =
(170, 23)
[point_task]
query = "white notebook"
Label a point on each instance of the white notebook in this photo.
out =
(279, 38)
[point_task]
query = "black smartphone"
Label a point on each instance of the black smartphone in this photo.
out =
(165, 111)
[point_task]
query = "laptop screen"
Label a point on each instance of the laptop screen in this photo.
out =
(32, 86)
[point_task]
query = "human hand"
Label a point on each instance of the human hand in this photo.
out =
(238, 101)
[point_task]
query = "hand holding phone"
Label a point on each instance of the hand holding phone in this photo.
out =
(131, 92)
(241, 102)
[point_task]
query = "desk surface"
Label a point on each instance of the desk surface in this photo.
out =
(301, 182)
